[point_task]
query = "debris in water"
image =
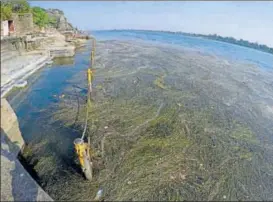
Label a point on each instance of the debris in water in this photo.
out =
(20, 84)
(99, 195)
(49, 62)
(62, 96)
(182, 176)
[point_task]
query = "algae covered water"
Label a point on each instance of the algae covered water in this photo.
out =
(229, 51)
(166, 123)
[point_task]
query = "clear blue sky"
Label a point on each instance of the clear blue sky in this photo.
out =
(251, 20)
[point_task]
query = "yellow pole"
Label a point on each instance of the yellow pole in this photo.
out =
(83, 151)
(89, 78)
(93, 52)
(92, 58)
(94, 44)
(89, 75)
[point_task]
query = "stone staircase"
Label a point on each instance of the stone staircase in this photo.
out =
(19, 68)
(7, 55)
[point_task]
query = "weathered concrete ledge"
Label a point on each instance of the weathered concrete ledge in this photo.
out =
(17, 64)
(78, 42)
(16, 182)
(63, 51)
(10, 77)
(55, 43)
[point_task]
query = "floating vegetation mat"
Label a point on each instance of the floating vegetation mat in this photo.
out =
(165, 124)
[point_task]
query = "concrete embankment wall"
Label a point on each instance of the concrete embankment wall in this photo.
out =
(21, 74)
(16, 182)
(62, 51)
(22, 56)
(13, 44)
(20, 44)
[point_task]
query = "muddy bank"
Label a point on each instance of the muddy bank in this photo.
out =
(166, 124)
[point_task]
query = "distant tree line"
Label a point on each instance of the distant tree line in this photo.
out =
(232, 40)
(216, 37)
(40, 16)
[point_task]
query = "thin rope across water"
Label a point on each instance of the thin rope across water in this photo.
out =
(89, 76)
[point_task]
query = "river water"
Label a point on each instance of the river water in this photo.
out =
(230, 51)
(33, 105)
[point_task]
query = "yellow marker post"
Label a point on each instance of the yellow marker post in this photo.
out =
(92, 58)
(83, 151)
(93, 52)
(89, 79)
(89, 75)
(94, 44)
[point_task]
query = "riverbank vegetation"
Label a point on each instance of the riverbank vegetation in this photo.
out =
(216, 37)
(40, 16)
(232, 40)
(17, 6)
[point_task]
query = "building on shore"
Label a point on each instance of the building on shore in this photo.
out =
(19, 24)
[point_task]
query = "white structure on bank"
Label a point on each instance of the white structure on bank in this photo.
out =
(4, 28)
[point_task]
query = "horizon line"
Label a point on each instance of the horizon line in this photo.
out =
(181, 32)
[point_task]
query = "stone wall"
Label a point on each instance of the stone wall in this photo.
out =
(63, 51)
(16, 182)
(23, 23)
(10, 125)
(13, 44)
(20, 44)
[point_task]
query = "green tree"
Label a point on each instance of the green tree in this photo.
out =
(53, 21)
(6, 11)
(20, 6)
(40, 17)
(15, 6)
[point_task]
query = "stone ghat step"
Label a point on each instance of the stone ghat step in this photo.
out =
(7, 55)
(15, 73)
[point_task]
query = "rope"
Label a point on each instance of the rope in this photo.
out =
(88, 102)
(86, 118)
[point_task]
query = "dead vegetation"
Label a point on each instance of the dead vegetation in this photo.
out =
(156, 143)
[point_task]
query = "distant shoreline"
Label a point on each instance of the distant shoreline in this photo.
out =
(214, 37)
